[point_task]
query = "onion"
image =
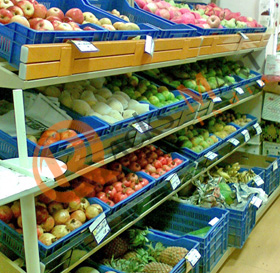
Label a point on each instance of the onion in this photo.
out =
(84, 204)
(78, 215)
(59, 231)
(100, 209)
(47, 239)
(61, 216)
(54, 206)
(92, 211)
(48, 224)
(74, 205)
(73, 223)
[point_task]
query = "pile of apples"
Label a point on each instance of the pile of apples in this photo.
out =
(49, 137)
(54, 219)
(32, 14)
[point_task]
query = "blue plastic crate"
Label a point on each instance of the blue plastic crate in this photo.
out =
(177, 219)
(13, 240)
(241, 223)
(272, 180)
(258, 172)
(250, 123)
(166, 241)
(8, 144)
(122, 203)
(257, 76)
(166, 29)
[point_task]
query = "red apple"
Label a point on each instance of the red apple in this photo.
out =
(67, 19)
(213, 21)
(34, 2)
(63, 26)
(15, 1)
(41, 214)
(6, 214)
(4, 4)
(67, 134)
(15, 10)
(5, 16)
(16, 209)
(74, 25)
(43, 24)
(27, 8)
(51, 133)
(40, 231)
(45, 141)
(76, 14)
(33, 22)
(40, 11)
(89, 28)
(89, 17)
(55, 12)
(53, 18)
(21, 20)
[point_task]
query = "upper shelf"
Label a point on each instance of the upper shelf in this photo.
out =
(46, 64)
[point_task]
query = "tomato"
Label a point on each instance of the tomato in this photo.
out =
(172, 164)
(167, 156)
(178, 161)
(155, 175)
(166, 168)
(132, 177)
(150, 168)
(143, 162)
(136, 186)
(132, 157)
(135, 167)
(124, 161)
(116, 166)
(163, 160)
(129, 191)
(98, 187)
(119, 196)
(152, 155)
(102, 196)
(144, 182)
(159, 152)
(126, 182)
(151, 147)
(51, 133)
(119, 186)
(45, 141)
(110, 203)
(140, 155)
(110, 191)
(160, 171)
(157, 164)
(120, 176)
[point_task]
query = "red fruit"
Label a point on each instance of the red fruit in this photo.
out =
(44, 199)
(98, 188)
(157, 164)
(54, 206)
(150, 168)
(132, 177)
(120, 176)
(110, 191)
(129, 191)
(48, 224)
(76, 14)
(140, 154)
(150, 160)
(152, 155)
(41, 214)
(132, 157)
(116, 166)
(124, 161)
(155, 175)
(136, 186)
(45, 141)
(126, 182)
(159, 152)
(178, 161)
(143, 162)
(51, 133)
(163, 160)
(172, 164)
(102, 196)
(120, 196)
(119, 186)
(134, 166)
(143, 181)
(6, 214)
(166, 168)
(151, 148)
(16, 209)
(167, 156)
(110, 203)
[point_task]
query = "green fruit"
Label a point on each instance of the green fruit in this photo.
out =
(187, 144)
(115, 89)
(210, 141)
(153, 89)
(189, 134)
(137, 94)
(190, 84)
(197, 149)
(166, 94)
(226, 192)
(180, 97)
(162, 88)
(154, 100)
(196, 141)
(204, 144)
(175, 83)
(160, 97)
(148, 94)
(171, 96)
(200, 88)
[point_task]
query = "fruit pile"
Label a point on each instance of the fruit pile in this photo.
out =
(35, 15)
(204, 16)
(219, 128)
(200, 76)
(54, 219)
(132, 251)
(142, 90)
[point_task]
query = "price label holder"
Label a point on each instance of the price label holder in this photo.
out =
(258, 180)
(149, 45)
(256, 201)
(257, 128)
(85, 46)
(260, 83)
(216, 99)
(193, 257)
(174, 180)
(211, 156)
(275, 165)
(246, 135)
(100, 228)
(235, 142)
(245, 37)
(142, 127)
(239, 90)
(213, 221)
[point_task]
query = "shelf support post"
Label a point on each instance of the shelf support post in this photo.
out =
(27, 203)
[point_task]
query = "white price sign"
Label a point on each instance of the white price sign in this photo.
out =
(257, 128)
(239, 90)
(258, 180)
(142, 127)
(275, 165)
(256, 201)
(85, 46)
(217, 99)
(213, 221)
(174, 180)
(234, 141)
(149, 45)
(193, 256)
(211, 156)
(100, 228)
(246, 135)
(260, 83)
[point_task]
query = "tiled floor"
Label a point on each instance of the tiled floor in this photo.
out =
(261, 252)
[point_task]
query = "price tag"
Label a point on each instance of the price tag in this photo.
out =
(258, 180)
(256, 201)
(234, 141)
(260, 83)
(213, 221)
(217, 99)
(193, 256)
(174, 180)
(142, 127)
(100, 228)
(211, 156)
(85, 46)
(257, 128)
(275, 165)
(239, 90)
(245, 37)
(149, 45)
(246, 135)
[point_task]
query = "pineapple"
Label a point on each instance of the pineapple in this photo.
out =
(127, 266)
(130, 255)
(116, 248)
(155, 267)
(172, 255)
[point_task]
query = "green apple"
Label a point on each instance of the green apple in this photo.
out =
(162, 88)
(160, 97)
(154, 100)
